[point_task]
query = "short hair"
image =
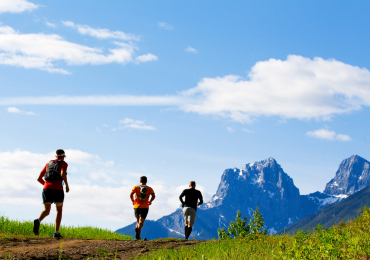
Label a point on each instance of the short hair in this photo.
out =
(143, 179)
(60, 153)
(192, 183)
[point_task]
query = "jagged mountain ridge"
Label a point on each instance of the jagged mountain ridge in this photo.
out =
(353, 175)
(263, 184)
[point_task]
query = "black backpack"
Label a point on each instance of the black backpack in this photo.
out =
(143, 192)
(51, 173)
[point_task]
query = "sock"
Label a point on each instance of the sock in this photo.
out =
(186, 230)
(189, 232)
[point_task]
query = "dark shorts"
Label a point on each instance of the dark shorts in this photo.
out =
(52, 196)
(141, 213)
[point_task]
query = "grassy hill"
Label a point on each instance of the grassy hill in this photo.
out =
(344, 241)
(346, 209)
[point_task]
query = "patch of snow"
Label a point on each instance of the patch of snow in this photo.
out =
(241, 173)
(176, 232)
(272, 231)
(221, 216)
(251, 164)
(342, 196)
(290, 221)
(271, 194)
(335, 184)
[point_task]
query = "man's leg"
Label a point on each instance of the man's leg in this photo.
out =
(190, 222)
(58, 218)
(186, 227)
(43, 214)
(139, 226)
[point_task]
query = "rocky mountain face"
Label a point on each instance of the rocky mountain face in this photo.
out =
(263, 184)
(353, 175)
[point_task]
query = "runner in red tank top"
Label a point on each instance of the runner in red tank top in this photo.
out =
(56, 173)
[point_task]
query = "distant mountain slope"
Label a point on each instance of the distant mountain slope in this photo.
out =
(151, 230)
(346, 209)
(352, 176)
(263, 184)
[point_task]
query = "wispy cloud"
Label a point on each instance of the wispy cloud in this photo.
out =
(135, 124)
(230, 130)
(16, 6)
(48, 24)
(43, 51)
(100, 33)
(248, 131)
(165, 25)
(298, 88)
(146, 58)
(328, 135)
(190, 49)
(17, 111)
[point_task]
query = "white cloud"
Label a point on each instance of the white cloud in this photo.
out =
(248, 131)
(135, 124)
(328, 135)
(230, 130)
(190, 49)
(165, 25)
(16, 6)
(298, 88)
(146, 58)
(96, 189)
(17, 111)
(43, 51)
(51, 25)
(100, 33)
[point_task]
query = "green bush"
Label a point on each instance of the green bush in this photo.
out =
(240, 228)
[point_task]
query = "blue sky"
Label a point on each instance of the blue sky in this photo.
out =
(177, 91)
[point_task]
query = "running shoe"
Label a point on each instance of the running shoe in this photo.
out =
(57, 235)
(36, 227)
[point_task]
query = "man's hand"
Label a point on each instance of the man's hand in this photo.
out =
(149, 203)
(67, 189)
(197, 204)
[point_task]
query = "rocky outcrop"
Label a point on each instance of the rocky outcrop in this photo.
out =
(353, 175)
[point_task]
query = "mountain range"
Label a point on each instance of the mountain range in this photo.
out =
(266, 185)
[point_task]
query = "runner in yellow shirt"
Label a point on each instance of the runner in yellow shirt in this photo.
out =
(141, 203)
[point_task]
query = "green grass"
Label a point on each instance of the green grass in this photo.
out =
(343, 241)
(10, 228)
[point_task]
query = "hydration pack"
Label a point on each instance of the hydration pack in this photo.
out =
(52, 173)
(143, 192)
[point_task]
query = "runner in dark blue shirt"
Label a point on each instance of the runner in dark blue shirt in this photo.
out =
(190, 206)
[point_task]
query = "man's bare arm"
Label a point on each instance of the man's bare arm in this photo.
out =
(64, 177)
(132, 196)
(40, 179)
(151, 198)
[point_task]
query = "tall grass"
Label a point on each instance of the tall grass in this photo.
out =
(343, 241)
(25, 228)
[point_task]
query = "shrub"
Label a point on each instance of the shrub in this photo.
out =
(240, 228)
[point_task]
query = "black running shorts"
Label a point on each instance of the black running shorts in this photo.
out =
(141, 213)
(52, 196)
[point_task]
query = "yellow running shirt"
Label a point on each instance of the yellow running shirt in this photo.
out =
(138, 203)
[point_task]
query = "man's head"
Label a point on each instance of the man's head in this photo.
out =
(143, 180)
(192, 184)
(60, 154)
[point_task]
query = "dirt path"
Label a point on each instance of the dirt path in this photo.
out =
(49, 248)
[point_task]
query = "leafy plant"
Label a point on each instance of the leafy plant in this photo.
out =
(240, 228)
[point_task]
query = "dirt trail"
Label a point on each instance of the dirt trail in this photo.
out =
(50, 248)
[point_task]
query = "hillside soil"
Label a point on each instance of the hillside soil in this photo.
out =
(69, 248)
